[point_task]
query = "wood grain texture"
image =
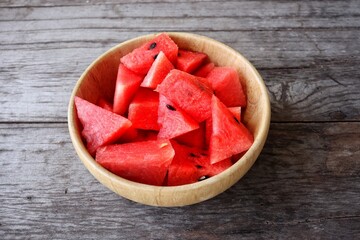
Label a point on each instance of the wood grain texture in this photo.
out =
(305, 183)
(47, 192)
(317, 69)
(307, 51)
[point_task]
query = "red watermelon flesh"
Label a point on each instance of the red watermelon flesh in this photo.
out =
(205, 70)
(236, 112)
(181, 170)
(192, 164)
(146, 135)
(158, 71)
(129, 136)
(141, 59)
(100, 126)
(188, 61)
(228, 136)
(208, 130)
(195, 138)
(144, 162)
(127, 83)
(105, 104)
(143, 109)
(227, 87)
(187, 93)
(172, 120)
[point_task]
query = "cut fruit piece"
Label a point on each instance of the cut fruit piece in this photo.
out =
(105, 104)
(172, 120)
(144, 162)
(228, 137)
(236, 112)
(227, 87)
(195, 138)
(181, 170)
(188, 61)
(158, 71)
(208, 131)
(143, 110)
(205, 70)
(141, 59)
(129, 136)
(188, 93)
(192, 164)
(100, 126)
(127, 83)
(146, 135)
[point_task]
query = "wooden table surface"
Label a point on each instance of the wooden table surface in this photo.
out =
(304, 185)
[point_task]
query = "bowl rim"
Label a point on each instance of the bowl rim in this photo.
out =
(91, 163)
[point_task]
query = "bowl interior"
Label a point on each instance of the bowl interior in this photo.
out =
(99, 79)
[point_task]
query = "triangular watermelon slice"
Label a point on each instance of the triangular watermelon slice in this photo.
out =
(141, 59)
(188, 61)
(173, 121)
(100, 126)
(227, 87)
(236, 112)
(228, 136)
(130, 135)
(144, 162)
(105, 104)
(158, 71)
(181, 170)
(195, 138)
(143, 109)
(188, 93)
(192, 164)
(127, 83)
(203, 71)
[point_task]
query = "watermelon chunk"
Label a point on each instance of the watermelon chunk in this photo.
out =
(228, 136)
(127, 83)
(188, 61)
(141, 59)
(236, 112)
(143, 110)
(105, 104)
(144, 162)
(145, 135)
(173, 121)
(192, 164)
(187, 93)
(205, 70)
(227, 87)
(195, 138)
(100, 126)
(129, 136)
(158, 71)
(181, 170)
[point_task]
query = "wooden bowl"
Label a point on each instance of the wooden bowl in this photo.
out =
(99, 80)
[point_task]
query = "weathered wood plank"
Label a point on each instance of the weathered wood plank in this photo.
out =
(312, 75)
(46, 192)
(305, 183)
(203, 9)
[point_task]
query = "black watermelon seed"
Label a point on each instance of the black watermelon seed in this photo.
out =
(193, 155)
(152, 46)
(198, 166)
(156, 56)
(236, 120)
(203, 178)
(170, 107)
